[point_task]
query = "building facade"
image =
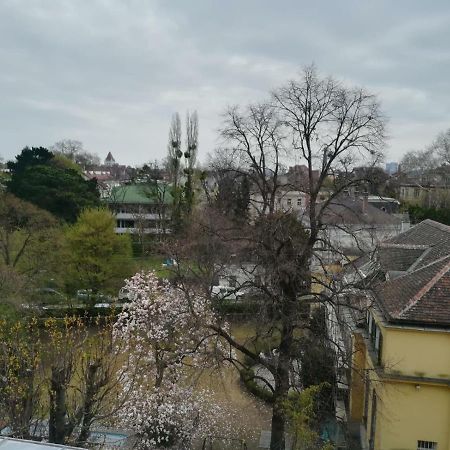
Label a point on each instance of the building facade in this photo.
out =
(141, 208)
(285, 201)
(427, 196)
(396, 333)
(352, 226)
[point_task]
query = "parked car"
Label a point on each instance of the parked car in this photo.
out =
(48, 296)
(226, 293)
(86, 295)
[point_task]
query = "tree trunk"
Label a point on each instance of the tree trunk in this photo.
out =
(92, 389)
(282, 375)
(22, 412)
(57, 417)
(277, 440)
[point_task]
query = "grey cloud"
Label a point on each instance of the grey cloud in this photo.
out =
(111, 72)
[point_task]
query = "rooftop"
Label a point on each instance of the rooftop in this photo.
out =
(140, 194)
(410, 275)
(110, 157)
(433, 236)
(353, 211)
(422, 295)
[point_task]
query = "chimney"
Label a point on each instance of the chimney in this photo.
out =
(365, 202)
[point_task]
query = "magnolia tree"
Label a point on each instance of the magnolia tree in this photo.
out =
(166, 333)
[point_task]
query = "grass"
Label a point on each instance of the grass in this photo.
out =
(155, 263)
(9, 312)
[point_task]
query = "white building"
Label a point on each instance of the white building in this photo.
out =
(285, 201)
(140, 209)
(352, 226)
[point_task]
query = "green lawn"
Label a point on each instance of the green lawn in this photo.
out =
(155, 263)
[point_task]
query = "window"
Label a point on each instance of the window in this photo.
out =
(375, 336)
(426, 445)
(366, 397)
(299, 202)
(289, 201)
(373, 331)
(380, 349)
(373, 421)
(416, 192)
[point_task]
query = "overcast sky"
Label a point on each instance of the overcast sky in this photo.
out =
(110, 73)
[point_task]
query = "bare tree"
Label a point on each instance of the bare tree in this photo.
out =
(86, 370)
(190, 156)
(330, 128)
(191, 140)
(419, 163)
(423, 164)
(20, 387)
(442, 146)
(174, 152)
(74, 150)
(64, 371)
(67, 147)
(257, 145)
(156, 189)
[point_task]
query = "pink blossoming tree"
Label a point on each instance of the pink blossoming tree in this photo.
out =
(166, 334)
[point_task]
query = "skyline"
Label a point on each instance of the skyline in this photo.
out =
(111, 74)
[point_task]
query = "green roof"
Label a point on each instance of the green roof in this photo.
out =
(140, 194)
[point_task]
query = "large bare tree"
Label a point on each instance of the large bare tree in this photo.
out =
(74, 150)
(331, 128)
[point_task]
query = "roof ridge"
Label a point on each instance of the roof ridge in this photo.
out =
(435, 224)
(414, 265)
(436, 261)
(425, 289)
(404, 246)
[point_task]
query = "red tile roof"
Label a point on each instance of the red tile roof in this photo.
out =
(419, 259)
(420, 296)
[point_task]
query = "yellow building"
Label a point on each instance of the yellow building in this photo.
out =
(400, 380)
